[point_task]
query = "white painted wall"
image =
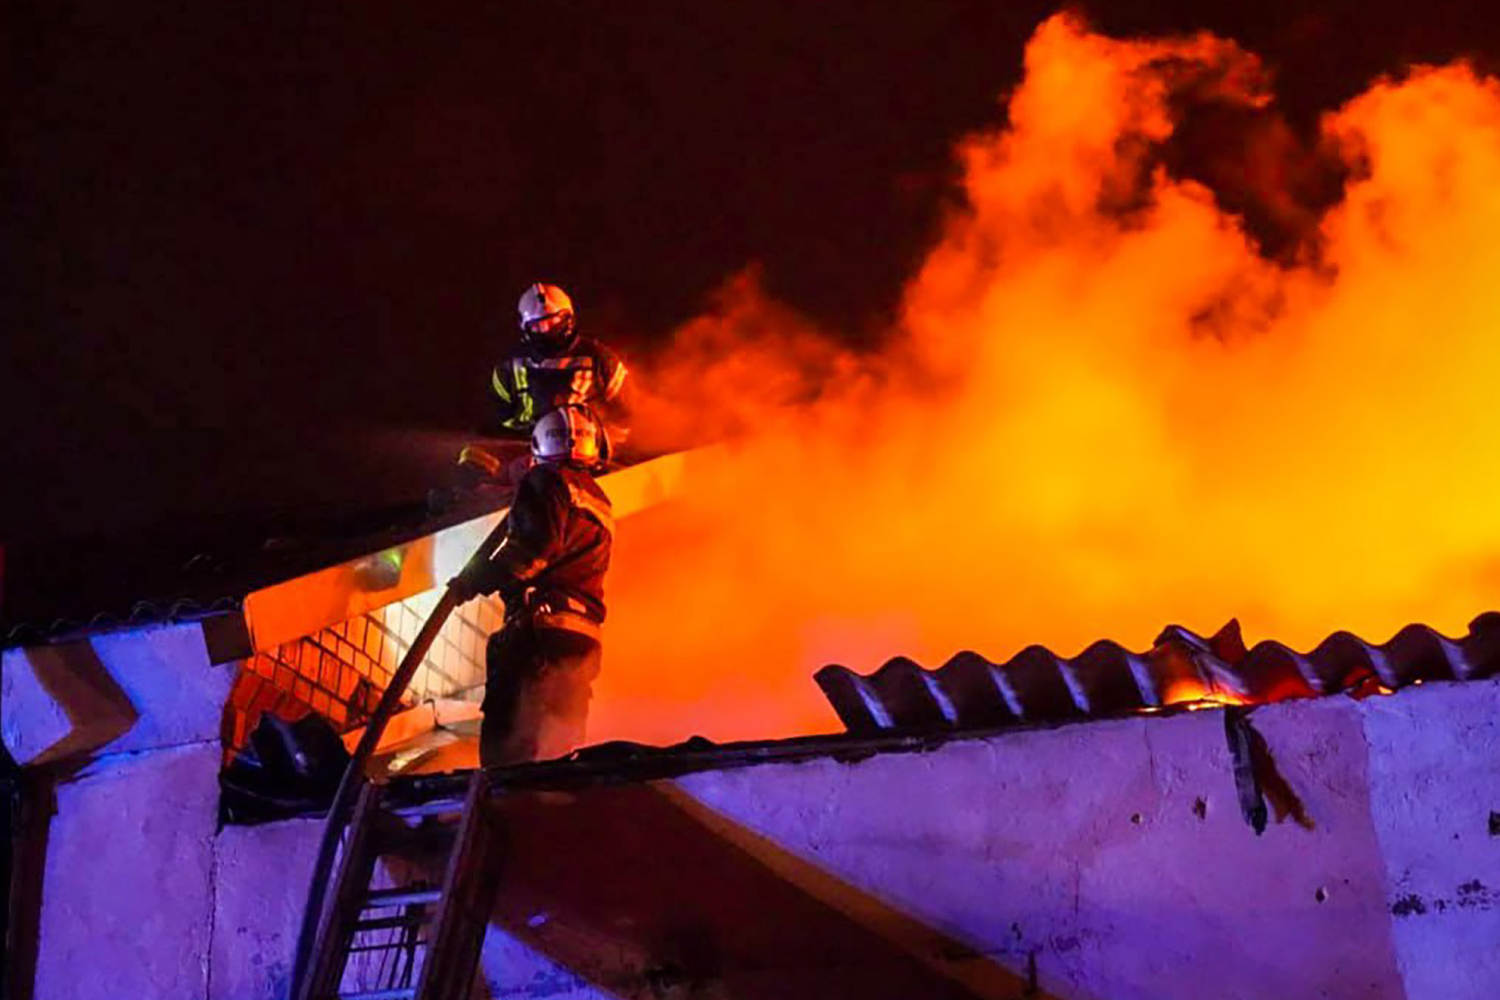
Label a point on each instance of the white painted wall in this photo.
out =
(1083, 849)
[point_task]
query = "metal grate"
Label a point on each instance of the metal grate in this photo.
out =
(340, 672)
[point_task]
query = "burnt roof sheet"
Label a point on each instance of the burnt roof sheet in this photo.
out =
(1037, 685)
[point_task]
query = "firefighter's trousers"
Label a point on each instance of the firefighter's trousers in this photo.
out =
(537, 689)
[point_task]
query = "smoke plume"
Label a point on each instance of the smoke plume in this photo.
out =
(1107, 405)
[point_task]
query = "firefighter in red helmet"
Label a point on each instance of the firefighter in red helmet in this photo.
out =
(549, 570)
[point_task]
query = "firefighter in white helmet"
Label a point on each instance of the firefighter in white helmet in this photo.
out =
(554, 366)
(549, 571)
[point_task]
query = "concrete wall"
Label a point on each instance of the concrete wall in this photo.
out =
(1115, 854)
(130, 691)
(1435, 802)
(263, 874)
(1106, 860)
(118, 868)
(1087, 850)
(130, 879)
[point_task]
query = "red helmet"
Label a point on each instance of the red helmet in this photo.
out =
(569, 434)
(546, 317)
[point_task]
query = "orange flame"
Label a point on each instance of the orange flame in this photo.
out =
(1196, 695)
(1101, 411)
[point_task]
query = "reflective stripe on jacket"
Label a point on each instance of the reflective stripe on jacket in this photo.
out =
(527, 386)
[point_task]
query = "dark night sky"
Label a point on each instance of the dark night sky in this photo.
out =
(242, 238)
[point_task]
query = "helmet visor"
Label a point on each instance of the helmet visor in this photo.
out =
(553, 326)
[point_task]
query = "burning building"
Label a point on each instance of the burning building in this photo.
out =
(1107, 405)
(1043, 826)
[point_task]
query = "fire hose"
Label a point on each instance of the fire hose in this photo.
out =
(342, 807)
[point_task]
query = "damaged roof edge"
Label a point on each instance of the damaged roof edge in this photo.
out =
(294, 608)
(1036, 684)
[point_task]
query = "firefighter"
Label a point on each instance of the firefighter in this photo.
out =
(549, 571)
(552, 366)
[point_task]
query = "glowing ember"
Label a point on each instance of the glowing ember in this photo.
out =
(1194, 696)
(1102, 410)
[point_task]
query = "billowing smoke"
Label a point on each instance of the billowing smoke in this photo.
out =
(1105, 406)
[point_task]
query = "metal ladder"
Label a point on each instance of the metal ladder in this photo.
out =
(417, 941)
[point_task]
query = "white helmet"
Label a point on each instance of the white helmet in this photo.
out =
(569, 434)
(546, 316)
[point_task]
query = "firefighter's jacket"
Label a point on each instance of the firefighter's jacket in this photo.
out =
(528, 385)
(551, 565)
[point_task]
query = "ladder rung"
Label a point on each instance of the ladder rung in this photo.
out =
(404, 993)
(390, 946)
(387, 923)
(437, 807)
(402, 897)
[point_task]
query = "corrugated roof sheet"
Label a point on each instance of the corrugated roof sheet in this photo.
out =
(1037, 685)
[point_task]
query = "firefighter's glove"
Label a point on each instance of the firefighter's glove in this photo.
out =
(464, 587)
